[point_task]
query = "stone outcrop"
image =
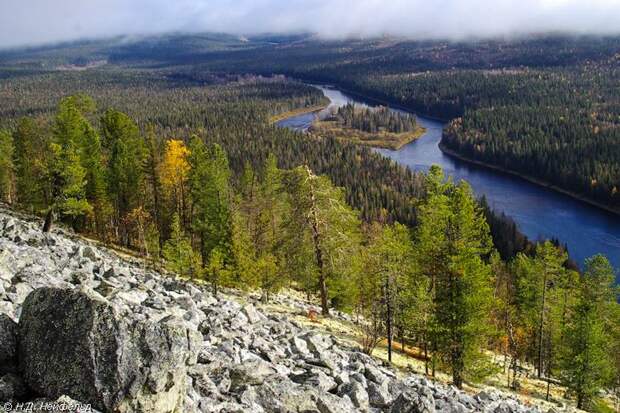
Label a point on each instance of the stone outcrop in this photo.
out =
(76, 343)
(102, 329)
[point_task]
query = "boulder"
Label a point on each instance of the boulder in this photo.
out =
(328, 403)
(411, 402)
(379, 395)
(252, 314)
(251, 373)
(12, 388)
(8, 344)
(77, 344)
(357, 393)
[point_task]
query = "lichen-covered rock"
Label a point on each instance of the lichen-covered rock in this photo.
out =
(75, 343)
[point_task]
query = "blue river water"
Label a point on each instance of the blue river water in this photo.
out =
(539, 212)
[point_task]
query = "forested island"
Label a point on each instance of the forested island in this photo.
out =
(181, 166)
(378, 127)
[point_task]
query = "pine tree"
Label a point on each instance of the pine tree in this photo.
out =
(587, 363)
(7, 168)
(454, 232)
(389, 262)
(320, 215)
(539, 291)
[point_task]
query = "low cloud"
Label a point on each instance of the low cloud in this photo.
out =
(33, 22)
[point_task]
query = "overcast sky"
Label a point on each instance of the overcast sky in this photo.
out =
(31, 22)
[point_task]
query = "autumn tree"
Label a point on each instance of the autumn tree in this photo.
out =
(175, 169)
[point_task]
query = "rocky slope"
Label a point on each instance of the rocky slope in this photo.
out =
(79, 322)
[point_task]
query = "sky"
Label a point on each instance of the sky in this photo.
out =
(36, 22)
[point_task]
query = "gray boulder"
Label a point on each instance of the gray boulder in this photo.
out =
(379, 395)
(76, 344)
(251, 373)
(8, 344)
(357, 393)
(412, 402)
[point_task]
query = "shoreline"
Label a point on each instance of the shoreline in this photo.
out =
(530, 179)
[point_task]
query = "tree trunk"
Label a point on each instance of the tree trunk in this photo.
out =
(541, 326)
(318, 252)
(388, 304)
(49, 220)
(457, 368)
(425, 358)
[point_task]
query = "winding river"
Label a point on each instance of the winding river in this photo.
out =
(538, 211)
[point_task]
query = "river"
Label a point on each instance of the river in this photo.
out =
(539, 212)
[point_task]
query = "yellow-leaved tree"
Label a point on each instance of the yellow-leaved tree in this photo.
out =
(174, 172)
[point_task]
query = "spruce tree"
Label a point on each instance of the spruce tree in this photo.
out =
(96, 188)
(152, 173)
